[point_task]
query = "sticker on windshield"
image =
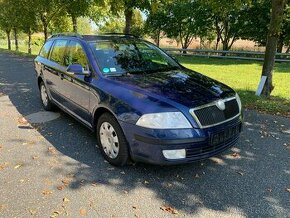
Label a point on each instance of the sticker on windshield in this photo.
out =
(113, 70)
(106, 70)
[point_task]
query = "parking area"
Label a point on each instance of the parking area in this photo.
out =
(49, 166)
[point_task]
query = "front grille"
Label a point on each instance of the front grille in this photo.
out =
(211, 114)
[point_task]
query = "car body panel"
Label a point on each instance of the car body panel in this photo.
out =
(128, 97)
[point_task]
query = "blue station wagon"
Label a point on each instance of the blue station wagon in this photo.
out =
(142, 104)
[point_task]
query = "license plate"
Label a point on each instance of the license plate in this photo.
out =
(221, 137)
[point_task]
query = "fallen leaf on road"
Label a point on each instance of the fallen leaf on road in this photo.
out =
(95, 184)
(46, 192)
(146, 182)
(18, 166)
(2, 166)
(288, 190)
(66, 181)
(65, 200)
(237, 155)
(60, 187)
(122, 172)
(52, 150)
(32, 212)
(269, 189)
(134, 207)
(169, 209)
(35, 157)
(22, 121)
(55, 214)
(83, 212)
(125, 192)
(241, 173)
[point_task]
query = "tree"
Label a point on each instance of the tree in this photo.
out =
(46, 11)
(127, 8)
(61, 23)
(84, 26)
(75, 9)
(6, 19)
(271, 47)
(227, 20)
(185, 20)
(156, 20)
(116, 24)
(257, 19)
(29, 15)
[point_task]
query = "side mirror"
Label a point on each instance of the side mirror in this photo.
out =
(77, 69)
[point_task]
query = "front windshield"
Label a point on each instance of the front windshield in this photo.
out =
(117, 57)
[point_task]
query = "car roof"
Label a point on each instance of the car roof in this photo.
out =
(106, 36)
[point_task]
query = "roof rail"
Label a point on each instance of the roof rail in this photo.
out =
(120, 34)
(66, 34)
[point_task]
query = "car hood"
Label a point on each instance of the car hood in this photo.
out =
(183, 86)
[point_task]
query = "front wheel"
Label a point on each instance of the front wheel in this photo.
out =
(111, 140)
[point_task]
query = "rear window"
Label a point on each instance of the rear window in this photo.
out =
(45, 49)
(58, 51)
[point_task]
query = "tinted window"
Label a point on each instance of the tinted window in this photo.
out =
(76, 55)
(45, 49)
(58, 51)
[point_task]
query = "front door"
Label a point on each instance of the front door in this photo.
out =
(77, 87)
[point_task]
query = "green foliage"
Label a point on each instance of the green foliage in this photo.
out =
(116, 24)
(84, 26)
(60, 24)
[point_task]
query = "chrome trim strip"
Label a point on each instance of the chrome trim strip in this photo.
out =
(191, 111)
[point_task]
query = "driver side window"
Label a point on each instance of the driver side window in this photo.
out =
(76, 55)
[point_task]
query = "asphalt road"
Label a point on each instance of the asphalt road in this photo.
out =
(53, 169)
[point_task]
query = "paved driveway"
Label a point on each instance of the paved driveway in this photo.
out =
(53, 169)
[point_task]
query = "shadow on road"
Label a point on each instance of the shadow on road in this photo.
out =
(251, 178)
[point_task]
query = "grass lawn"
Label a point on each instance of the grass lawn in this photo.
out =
(243, 76)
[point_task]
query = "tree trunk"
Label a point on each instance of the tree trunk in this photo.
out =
(128, 16)
(29, 41)
(288, 49)
(157, 40)
(75, 23)
(45, 32)
(8, 39)
(280, 45)
(271, 46)
(16, 39)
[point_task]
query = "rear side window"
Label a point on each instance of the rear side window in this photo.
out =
(45, 49)
(58, 51)
(76, 55)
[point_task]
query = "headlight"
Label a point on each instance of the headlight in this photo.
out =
(239, 101)
(166, 120)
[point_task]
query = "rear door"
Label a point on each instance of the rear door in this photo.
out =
(53, 70)
(77, 87)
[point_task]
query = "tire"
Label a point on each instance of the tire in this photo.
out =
(44, 97)
(111, 140)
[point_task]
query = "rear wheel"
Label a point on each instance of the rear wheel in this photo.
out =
(46, 102)
(111, 140)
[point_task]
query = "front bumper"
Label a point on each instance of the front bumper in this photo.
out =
(146, 145)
